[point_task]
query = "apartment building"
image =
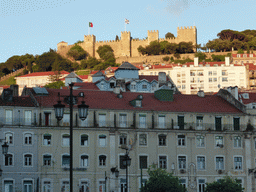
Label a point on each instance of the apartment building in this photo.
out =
(200, 138)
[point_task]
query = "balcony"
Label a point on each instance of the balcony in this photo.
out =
(135, 124)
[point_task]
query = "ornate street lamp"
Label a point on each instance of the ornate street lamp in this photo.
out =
(83, 112)
(5, 147)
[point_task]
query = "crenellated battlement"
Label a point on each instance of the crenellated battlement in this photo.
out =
(127, 46)
(182, 28)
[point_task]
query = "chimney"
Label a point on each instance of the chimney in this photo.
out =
(161, 78)
(116, 90)
(15, 90)
(7, 95)
(227, 61)
(200, 93)
(196, 61)
(233, 91)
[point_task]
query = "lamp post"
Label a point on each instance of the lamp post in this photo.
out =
(83, 112)
(127, 163)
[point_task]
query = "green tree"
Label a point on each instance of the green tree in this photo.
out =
(55, 85)
(224, 185)
(169, 35)
(77, 52)
(162, 181)
(166, 58)
(201, 56)
(142, 50)
(240, 51)
(105, 52)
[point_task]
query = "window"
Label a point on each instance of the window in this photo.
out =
(122, 158)
(219, 141)
(84, 140)
(47, 118)
(65, 186)
(183, 182)
(102, 140)
(224, 79)
(236, 123)
(163, 162)
(144, 86)
(218, 124)
(123, 139)
(201, 185)
(133, 86)
(9, 138)
(47, 160)
(8, 160)
(123, 120)
(102, 160)
(28, 139)
(183, 86)
(8, 186)
(84, 186)
(210, 73)
(102, 186)
(65, 160)
(65, 140)
(238, 163)
(182, 162)
(181, 140)
(47, 139)
(47, 186)
(143, 139)
(200, 162)
(219, 163)
(214, 79)
(238, 55)
(102, 120)
(237, 142)
(84, 160)
(112, 84)
(28, 117)
(181, 122)
(8, 116)
(200, 141)
(161, 121)
(162, 140)
(27, 186)
(244, 55)
(27, 160)
(210, 80)
(142, 121)
(153, 87)
(143, 162)
(199, 122)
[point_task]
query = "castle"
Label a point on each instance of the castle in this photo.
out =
(126, 46)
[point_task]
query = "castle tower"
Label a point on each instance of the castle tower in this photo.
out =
(187, 34)
(153, 36)
(61, 45)
(125, 43)
(89, 44)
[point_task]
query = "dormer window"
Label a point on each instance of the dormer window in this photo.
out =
(112, 84)
(251, 55)
(101, 85)
(144, 86)
(244, 55)
(138, 103)
(238, 55)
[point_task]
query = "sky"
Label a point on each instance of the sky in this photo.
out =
(35, 26)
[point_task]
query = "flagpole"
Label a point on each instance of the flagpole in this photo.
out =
(124, 26)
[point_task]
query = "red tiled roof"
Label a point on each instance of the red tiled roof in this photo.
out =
(93, 72)
(160, 66)
(87, 86)
(109, 100)
(251, 66)
(112, 68)
(22, 101)
(242, 55)
(252, 97)
(46, 73)
(83, 76)
(5, 86)
(150, 78)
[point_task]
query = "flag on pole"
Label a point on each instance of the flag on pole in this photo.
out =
(90, 24)
(127, 21)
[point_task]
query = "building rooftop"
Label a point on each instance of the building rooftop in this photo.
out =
(46, 73)
(109, 100)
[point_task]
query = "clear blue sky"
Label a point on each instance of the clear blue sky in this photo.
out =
(35, 26)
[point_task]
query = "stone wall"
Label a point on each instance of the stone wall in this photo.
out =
(127, 46)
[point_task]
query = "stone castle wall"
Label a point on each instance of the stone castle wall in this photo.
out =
(126, 46)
